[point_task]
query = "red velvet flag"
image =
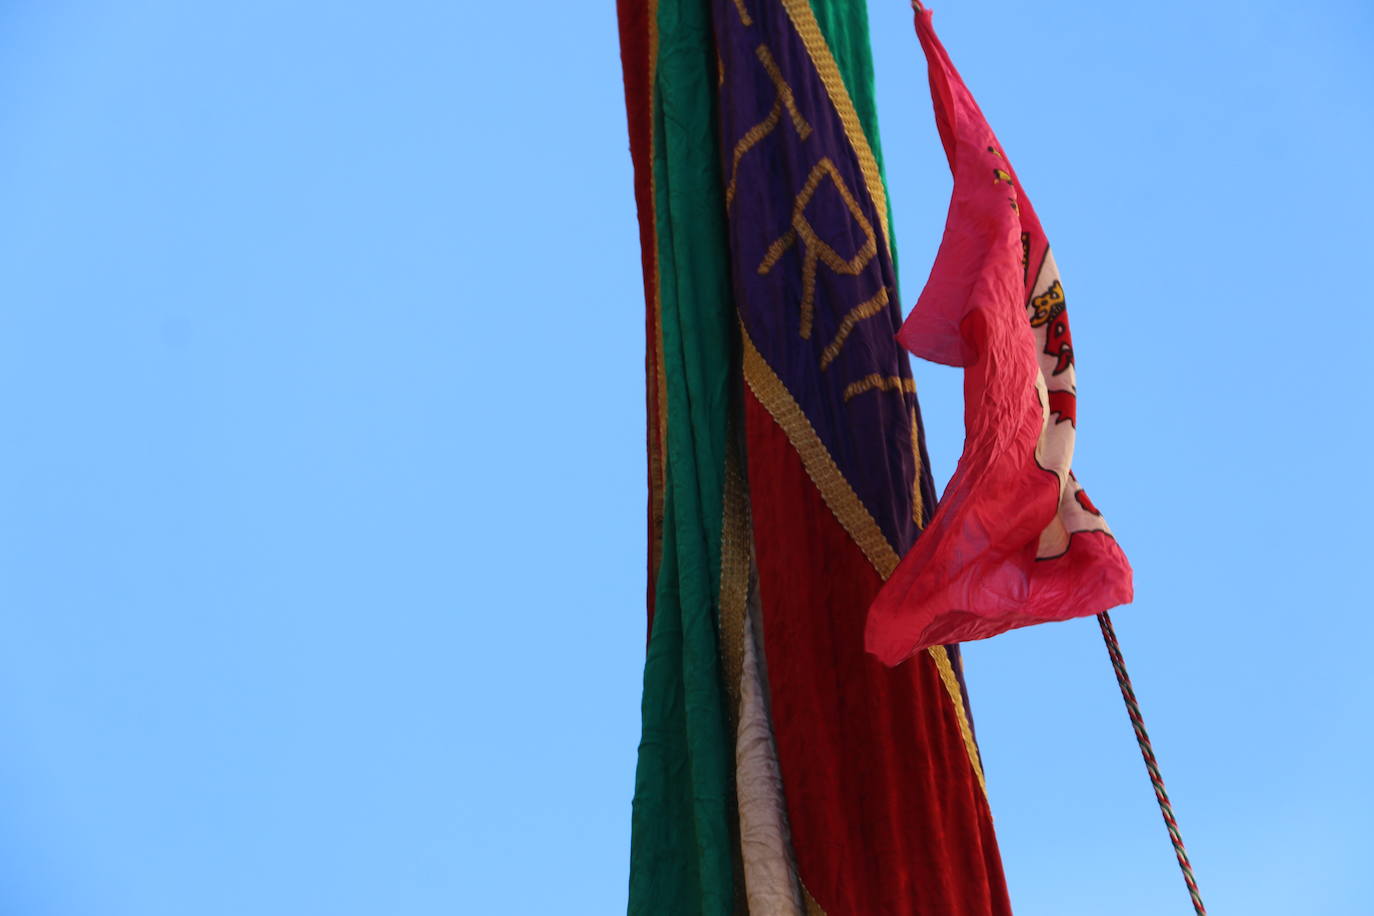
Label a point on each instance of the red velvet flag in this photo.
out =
(1015, 540)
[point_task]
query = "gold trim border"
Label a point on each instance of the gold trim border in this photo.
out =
(816, 458)
(736, 553)
(658, 462)
(847, 507)
(956, 699)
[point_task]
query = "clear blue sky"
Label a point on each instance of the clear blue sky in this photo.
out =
(321, 461)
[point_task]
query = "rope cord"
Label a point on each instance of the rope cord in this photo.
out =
(1147, 751)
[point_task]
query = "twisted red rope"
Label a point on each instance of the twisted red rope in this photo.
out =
(1147, 751)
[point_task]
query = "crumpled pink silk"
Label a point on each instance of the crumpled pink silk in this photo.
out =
(1015, 540)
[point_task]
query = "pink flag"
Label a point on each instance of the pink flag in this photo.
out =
(1015, 540)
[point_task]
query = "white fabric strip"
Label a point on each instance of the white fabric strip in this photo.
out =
(770, 869)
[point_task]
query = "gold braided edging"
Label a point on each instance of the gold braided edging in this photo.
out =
(816, 458)
(845, 504)
(918, 505)
(804, 21)
(736, 542)
(658, 463)
(956, 697)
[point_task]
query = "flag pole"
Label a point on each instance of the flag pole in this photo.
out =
(892, 646)
(1142, 738)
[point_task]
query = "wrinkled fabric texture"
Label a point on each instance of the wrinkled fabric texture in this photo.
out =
(1015, 540)
(852, 789)
(684, 814)
(770, 873)
(886, 809)
(884, 795)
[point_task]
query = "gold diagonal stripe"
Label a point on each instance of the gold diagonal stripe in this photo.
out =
(804, 21)
(815, 457)
(918, 506)
(956, 699)
(847, 507)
